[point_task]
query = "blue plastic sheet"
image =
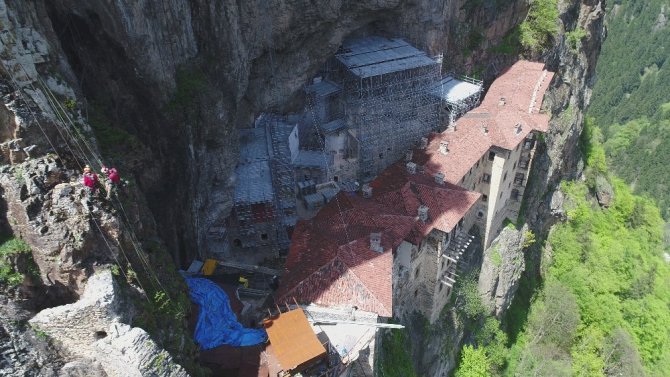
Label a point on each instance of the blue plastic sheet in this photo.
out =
(217, 324)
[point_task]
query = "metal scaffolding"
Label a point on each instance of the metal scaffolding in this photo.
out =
(459, 94)
(264, 202)
(387, 98)
(283, 180)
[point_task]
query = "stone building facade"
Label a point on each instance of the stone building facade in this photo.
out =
(394, 246)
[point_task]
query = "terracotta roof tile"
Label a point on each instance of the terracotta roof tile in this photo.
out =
(332, 264)
(522, 86)
(330, 261)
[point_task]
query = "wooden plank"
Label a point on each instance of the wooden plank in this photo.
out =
(250, 267)
(337, 321)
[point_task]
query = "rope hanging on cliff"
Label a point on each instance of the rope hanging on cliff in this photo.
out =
(53, 101)
(153, 278)
(20, 93)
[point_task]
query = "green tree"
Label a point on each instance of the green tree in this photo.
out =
(555, 319)
(620, 355)
(544, 360)
(540, 25)
(474, 363)
(494, 341)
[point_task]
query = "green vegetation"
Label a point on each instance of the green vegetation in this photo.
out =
(486, 353)
(9, 249)
(396, 360)
(633, 69)
(39, 333)
(638, 150)
(630, 98)
(474, 363)
(611, 261)
(468, 302)
(496, 258)
(70, 104)
(162, 304)
(19, 175)
(473, 40)
(159, 361)
(510, 43)
(113, 141)
(540, 25)
(592, 152)
(528, 239)
(574, 38)
(190, 84)
(602, 307)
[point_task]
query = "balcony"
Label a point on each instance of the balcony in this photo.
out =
(519, 179)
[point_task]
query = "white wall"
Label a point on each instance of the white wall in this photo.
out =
(294, 143)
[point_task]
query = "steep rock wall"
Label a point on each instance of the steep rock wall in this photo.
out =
(181, 75)
(501, 269)
(557, 158)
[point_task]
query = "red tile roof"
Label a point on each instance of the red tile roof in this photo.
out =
(522, 86)
(330, 261)
(331, 264)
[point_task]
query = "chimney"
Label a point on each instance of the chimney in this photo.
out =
(424, 143)
(411, 168)
(376, 242)
(444, 147)
(485, 129)
(317, 80)
(439, 178)
(502, 101)
(422, 211)
(408, 155)
(517, 128)
(367, 191)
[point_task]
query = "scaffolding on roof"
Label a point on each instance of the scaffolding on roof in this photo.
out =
(460, 94)
(264, 198)
(386, 85)
(322, 88)
(283, 179)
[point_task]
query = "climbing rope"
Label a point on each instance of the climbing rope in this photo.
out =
(61, 113)
(20, 93)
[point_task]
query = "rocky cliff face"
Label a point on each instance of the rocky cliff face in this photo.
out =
(557, 158)
(501, 269)
(163, 86)
(181, 75)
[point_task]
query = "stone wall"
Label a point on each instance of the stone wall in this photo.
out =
(92, 329)
(501, 269)
(241, 58)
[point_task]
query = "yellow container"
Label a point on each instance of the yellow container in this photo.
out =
(209, 267)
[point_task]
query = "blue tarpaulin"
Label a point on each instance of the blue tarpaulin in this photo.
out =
(217, 324)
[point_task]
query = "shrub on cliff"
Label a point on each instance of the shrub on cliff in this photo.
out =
(8, 250)
(540, 25)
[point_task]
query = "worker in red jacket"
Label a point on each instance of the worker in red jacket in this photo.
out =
(90, 180)
(112, 180)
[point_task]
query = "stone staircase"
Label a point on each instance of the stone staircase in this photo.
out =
(457, 257)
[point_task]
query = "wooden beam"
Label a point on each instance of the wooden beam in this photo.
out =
(450, 258)
(369, 324)
(249, 267)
